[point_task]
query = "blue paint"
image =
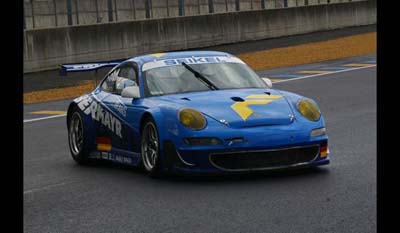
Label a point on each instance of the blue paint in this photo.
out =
(276, 125)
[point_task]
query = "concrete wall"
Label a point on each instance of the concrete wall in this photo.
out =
(54, 13)
(46, 48)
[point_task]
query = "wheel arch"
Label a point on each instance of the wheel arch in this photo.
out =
(158, 117)
(88, 123)
(145, 116)
(71, 107)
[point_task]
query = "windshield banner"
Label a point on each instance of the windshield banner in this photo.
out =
(190, 60)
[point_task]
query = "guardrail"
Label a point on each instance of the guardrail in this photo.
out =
(56, 13)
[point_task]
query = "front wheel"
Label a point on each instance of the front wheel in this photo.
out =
(76, 137)
(150, 148)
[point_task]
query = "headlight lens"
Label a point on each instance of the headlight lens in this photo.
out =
(309, 110)
(192, 119)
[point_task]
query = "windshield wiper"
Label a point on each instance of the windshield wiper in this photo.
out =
(201, 77)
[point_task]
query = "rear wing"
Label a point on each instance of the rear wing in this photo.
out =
(82, 67)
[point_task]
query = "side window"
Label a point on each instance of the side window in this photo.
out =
(120, 78)
(109, 83)
(126, 77)
(128, 72)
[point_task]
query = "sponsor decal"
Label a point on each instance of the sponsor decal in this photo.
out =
(190, 60)
(104, 155)
(121, 108)
(84, 103)
(119, 159)
(112, 157)
(85, 66)
(194, 60)
(95, 155)
(126, 160)
(100, 114)
(243, 109)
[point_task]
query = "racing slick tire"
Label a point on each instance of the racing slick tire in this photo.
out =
(76, 137)
(150, 148)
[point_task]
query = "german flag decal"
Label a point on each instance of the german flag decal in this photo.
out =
(103, 144)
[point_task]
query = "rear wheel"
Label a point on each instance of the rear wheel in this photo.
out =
(150, 148)
(76, 137)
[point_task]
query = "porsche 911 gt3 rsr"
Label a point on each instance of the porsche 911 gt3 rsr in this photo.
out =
(194, 112)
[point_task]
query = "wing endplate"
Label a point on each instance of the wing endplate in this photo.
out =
(82, 67)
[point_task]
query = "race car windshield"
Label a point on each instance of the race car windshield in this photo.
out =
(178, 79)
(200, 77)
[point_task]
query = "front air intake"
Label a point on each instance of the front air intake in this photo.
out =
(258, 160)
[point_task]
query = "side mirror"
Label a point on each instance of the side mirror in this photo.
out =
(131, 92)
(267, 81)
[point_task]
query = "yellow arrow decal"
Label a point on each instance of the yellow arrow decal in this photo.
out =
(242, 108)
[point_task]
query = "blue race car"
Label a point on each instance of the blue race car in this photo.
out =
(193, 112)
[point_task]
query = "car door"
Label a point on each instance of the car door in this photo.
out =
(120, 114)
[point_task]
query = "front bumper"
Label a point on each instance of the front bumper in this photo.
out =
(244, 159)
(178, 155)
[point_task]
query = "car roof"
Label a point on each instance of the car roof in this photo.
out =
(140, 60)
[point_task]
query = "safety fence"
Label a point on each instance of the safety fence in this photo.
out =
(59, 13)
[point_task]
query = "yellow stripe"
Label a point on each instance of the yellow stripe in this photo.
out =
(158, 55)
(315, 72)
(103, 147)
(275, 80)
(359, 65)
(45, 112)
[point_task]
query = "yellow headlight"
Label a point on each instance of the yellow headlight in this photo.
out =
(192, 119)
(309, 110)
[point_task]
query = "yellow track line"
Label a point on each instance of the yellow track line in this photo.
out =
(275, 80)
(359, 65)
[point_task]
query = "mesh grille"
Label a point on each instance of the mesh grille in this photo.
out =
(265, 159)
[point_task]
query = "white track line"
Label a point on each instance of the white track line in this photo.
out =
(44, 118)
(316, 75)
(46, 187)
(292, 79)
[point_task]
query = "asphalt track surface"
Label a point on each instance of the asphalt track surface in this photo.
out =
(61, 196)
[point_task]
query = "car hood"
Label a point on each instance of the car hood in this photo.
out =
(238, 108)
